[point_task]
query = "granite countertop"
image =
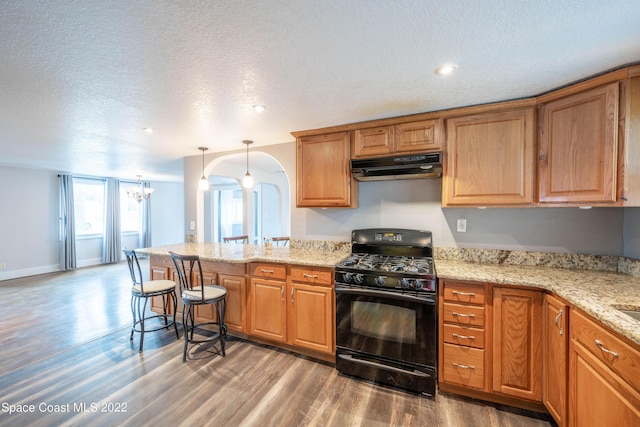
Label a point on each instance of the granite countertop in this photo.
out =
(597, 293)
(235, 253)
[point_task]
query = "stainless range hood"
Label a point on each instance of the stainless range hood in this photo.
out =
(409, 166)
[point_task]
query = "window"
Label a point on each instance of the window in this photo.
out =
(89, 206)
(129, 211)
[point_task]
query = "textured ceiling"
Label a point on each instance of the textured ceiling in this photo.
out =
(79, 80)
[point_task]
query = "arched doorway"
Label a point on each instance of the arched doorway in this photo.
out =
(230, 209)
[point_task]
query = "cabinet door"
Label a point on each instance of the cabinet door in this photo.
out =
(578, 147)
(323, 170)
(268, 309)
(517, 343)
(236, 303)
(373, 141)
(426, 135)
(598, 397)
(490, 159)
(311, 317)
(556, 355)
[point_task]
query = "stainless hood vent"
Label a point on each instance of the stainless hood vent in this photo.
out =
(411, 166)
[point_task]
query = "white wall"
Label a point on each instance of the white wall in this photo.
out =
(416, 204)
(29, 221)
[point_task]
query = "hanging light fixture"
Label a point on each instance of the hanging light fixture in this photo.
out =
(140, 192)
(204, 183)
(247, 181)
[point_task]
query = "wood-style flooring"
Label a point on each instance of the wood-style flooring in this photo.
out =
(67, 361)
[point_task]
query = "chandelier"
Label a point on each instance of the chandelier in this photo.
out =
(140, 192)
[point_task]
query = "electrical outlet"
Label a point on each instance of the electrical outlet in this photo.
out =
(192, 225)
(3, 265)
(462, 225)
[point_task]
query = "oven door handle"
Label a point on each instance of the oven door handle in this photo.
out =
(371, 363)
(379, 294)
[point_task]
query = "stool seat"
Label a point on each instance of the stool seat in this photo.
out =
(210, 293)
(154, 286)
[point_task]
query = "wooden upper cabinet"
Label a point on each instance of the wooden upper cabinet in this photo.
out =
(423, 136)
(578, 152)
(413, 137)
(490, 159)
(323, 170)
(375, 141)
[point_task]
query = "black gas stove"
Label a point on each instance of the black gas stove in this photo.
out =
(386, 313)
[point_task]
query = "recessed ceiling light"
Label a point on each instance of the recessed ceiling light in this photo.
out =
(148, 130)
(446, 69)
(258, 108)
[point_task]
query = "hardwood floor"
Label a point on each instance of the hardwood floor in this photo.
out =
(66, 352)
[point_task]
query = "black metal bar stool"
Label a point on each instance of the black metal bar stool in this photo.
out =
(141, 292)
(194, 293)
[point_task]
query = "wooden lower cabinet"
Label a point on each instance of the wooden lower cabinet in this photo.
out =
(268, 309)
(604, 377)
(235, 316)
(298, 311)
(311, 317)
(491, 342)
(555, 330)
(517, 342)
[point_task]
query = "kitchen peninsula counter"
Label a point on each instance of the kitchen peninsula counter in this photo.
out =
(245, 253)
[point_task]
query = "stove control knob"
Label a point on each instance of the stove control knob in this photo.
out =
(420, 284)
(405, 283)
(347, 277)
(380, 280)
(359, 278)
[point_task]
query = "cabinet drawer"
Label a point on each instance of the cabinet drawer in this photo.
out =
(464, 366)
(464, 293)
(269, 271)
(311, 276)
(612, 351)
(460, 335)
(466, 315)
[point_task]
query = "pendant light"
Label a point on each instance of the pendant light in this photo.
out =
(247, 181)
(204, 183)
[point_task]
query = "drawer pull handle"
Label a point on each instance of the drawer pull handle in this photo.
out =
(464, 294)
(557, 319)
(464, 337)
(266, 271)
(310, 276)
(458, 365)
(606, 350)
(463, 314)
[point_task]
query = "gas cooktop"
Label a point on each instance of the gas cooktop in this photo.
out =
(372, 263)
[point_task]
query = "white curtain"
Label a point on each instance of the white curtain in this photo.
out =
(67, 224)
(112, 242)
(144, 238)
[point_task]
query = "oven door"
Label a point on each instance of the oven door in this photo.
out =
(387, 324)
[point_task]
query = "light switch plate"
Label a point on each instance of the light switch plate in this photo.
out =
(192, 225)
